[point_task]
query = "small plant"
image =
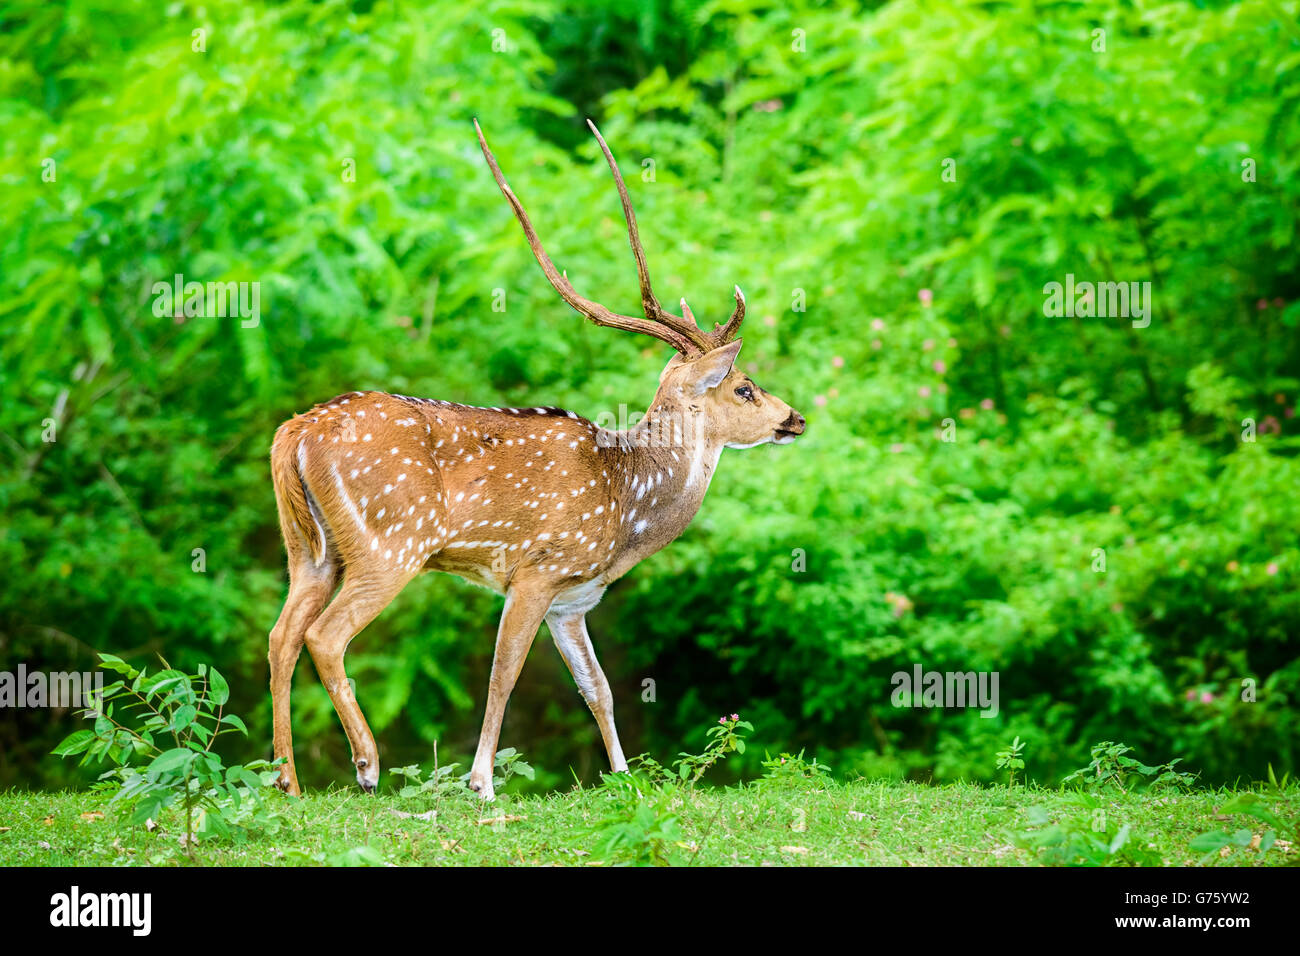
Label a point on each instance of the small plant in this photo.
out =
(787, 769)
(1112, 767)
(443, 780)
(724, 737)
(1088, 839)
(187, 712)
(508, 763)
(1224, 844)
(1011, 760)
(642, 828)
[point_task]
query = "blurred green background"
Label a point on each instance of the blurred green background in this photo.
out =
(797, 149)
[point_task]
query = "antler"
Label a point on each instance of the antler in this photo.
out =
(681, 333)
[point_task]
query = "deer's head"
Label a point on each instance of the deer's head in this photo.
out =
(734, 409)
(701, 382)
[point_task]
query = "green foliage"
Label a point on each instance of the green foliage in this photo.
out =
(813, 173)
(641, 826)
(135, 720)
(1110, 767)
(1011, 760)
(724, 737)
(1254, 807)
(795, 770)
(1090, 838)
(443, 779)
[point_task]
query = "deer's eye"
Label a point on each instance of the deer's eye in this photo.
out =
(746, 393)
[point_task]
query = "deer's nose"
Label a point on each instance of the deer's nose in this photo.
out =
(794, 424)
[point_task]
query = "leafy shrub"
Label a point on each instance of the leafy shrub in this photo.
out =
(1112, 767)
(134, 721)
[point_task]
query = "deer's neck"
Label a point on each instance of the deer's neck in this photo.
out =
(659, 470)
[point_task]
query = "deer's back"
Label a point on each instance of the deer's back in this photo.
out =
(405, 483)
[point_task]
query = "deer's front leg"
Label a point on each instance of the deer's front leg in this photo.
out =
(525, 608)
(570, 634)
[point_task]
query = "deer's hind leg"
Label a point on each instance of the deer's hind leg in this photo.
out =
(310, 587)
(364, 594)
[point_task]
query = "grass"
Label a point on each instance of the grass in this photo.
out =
(764, 823)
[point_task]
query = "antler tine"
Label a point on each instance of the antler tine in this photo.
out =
(649, 302)
(722, 334)
(680, 340)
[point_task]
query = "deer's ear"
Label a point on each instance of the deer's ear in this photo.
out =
(712, 367)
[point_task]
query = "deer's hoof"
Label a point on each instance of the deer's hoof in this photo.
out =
(367, 776)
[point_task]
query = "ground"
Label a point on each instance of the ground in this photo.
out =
(766, 823)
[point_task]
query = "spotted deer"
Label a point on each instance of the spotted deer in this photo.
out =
(538, 504)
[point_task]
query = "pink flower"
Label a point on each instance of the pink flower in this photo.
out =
(924, 391)
(876, 344)
(735, 716)
(928, 345)
(722, 719)
(1269, 424)
(987, 404)
(819, 400)
(1262, 304)
(1272, 567)
(940, 366)
(1206, 697)
(838, 361)
(926, 297)
(877, 325)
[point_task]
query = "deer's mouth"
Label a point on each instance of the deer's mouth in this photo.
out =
(789, 430)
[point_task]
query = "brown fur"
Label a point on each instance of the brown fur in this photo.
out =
(538, 504)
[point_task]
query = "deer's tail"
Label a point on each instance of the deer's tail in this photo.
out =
(299, 515)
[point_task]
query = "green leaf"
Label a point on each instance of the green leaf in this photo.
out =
(74, 743)
(218, 689)
(235, 722)
(183, 717)
(112, 662)
(1210, 842)
(170, 761)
